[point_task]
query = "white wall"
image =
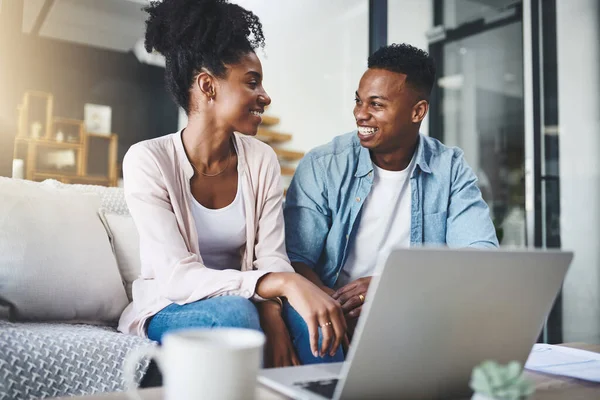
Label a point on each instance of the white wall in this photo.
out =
(579, 130)
(408, 22)
(316, 51)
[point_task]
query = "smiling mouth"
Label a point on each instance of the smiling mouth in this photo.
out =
(367, 131)
(256, 113)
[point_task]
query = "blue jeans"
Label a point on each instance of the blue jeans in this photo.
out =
(301, 340)
(224, 311)
(233, 312)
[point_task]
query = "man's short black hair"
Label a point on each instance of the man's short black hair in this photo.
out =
(196, 34)
(416, 64)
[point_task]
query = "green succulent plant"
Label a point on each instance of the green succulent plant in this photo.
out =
(501, 382)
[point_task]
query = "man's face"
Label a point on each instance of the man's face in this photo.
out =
(384, 111)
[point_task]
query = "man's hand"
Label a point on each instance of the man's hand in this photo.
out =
(352, 296)
(279, 351)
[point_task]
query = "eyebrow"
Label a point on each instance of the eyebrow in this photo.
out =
(373, 97)
(254, 74)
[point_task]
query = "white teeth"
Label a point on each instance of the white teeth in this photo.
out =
(257, 113)
(366, 131)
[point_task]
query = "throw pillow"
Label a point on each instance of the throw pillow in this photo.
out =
(126, 245)
(56, 261)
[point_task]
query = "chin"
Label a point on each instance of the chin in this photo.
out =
(369, 145)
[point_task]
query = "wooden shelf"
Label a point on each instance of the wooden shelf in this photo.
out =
(74, 179)
(268, 120)
(287, 171)
(100, 135)
(94, 156)
(288, 155)
(67, 120)
(36, 107)
(72, 130)
(272, 137)
(47, 142)
(42, 176)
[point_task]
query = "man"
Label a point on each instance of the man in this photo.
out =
(381, 186)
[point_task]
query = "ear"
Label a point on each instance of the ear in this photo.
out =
(419, 111)
(206, 83)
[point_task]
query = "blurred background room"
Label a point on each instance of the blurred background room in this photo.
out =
(518, 89)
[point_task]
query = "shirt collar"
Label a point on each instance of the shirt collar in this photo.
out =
(365, 165)
(183, 160)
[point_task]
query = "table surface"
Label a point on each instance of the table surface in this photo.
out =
(547, 387)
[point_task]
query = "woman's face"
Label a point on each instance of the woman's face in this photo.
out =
(240, 97)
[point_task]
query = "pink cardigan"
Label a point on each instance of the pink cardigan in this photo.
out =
(157, 190)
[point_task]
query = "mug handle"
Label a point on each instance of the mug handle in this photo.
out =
(129, 368)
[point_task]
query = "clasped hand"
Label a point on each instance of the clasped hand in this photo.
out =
(352, 296)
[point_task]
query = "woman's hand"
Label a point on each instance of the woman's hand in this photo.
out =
(317, 308)
(279, 350)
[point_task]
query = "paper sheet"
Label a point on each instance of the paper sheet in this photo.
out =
(565, 361)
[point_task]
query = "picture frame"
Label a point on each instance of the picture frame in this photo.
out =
(97, 119)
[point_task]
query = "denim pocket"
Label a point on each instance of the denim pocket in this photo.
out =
(434, 228)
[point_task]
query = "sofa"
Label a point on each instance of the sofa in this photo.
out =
(68, 257)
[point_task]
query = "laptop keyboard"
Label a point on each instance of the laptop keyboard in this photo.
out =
(325, 388)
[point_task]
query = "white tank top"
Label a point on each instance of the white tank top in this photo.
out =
(221, 233)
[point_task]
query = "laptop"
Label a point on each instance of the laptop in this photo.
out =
(431, 316)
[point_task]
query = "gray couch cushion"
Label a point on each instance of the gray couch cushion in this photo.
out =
(39, 360)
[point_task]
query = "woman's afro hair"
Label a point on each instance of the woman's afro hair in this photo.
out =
(197, 34)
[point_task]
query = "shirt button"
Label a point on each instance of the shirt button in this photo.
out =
(370, 174)
(358, 199)
(347, 237)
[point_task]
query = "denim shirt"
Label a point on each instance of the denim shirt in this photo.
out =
(331, 183)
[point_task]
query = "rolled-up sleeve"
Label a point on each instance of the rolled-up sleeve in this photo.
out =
(306, 212)
(468, 223)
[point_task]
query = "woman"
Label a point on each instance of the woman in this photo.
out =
(207, 201)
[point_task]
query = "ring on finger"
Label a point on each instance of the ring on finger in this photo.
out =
(361, 297)
(328, 323)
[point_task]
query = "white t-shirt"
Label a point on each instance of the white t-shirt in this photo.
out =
(384, 223)
(221, 233)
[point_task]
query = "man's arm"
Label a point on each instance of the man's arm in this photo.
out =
(307, 218)
(468, 221)
(279, 350)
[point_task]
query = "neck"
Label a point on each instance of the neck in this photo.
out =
(398, 159)
(205, 144)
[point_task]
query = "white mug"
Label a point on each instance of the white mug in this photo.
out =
(219, 364)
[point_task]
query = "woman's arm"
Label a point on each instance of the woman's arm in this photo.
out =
(317, 308)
